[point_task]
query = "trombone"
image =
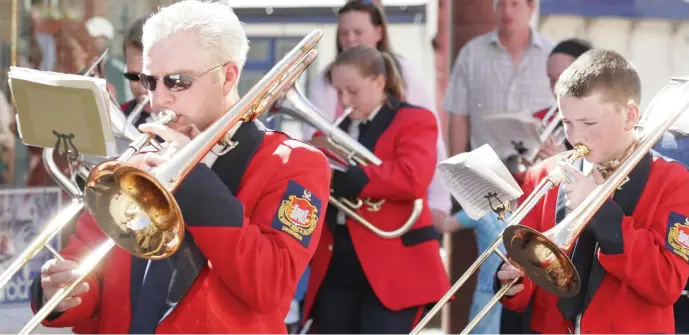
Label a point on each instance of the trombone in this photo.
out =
(530, 249)
(553, 179)
(543, 256)
(136, 208)
(296, 105)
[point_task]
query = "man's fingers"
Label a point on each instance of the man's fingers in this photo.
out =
(58, 279)
(515, 289)
(67, 304)
(153, 159)
(82, 288)
(55, 265)
(166, 133)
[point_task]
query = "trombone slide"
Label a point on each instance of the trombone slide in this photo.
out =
(54, 226)
(519, 214)
(85, 268)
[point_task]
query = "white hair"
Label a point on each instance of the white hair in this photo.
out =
(221, 33)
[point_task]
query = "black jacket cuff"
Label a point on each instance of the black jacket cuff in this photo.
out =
(349, 184)
(606, 226)
(496, 281)
(204, 200)
(37, 299)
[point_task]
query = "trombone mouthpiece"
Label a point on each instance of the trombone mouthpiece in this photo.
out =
(167, 116)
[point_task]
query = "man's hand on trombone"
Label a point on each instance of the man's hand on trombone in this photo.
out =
(56, 274)
(176, 137)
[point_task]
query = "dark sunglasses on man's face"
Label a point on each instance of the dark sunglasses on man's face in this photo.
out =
(131, 76)
(174, 82)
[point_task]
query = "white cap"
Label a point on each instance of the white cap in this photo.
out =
(100, 27)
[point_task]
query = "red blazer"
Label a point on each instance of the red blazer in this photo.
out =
(406, 271)
(640, 267)
(255, 245)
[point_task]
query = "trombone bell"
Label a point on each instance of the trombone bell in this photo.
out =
(542, 260)
(133, 208)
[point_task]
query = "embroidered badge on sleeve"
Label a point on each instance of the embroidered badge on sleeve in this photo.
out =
(298, 213)
(678, 235)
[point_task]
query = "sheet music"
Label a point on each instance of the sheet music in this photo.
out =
(69, 104)
(470, 176)
(518, 126)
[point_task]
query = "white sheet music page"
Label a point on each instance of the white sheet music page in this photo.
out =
(517, 126)
(471, 176)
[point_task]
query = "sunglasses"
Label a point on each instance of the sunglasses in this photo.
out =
(174, 82)
(131, 76)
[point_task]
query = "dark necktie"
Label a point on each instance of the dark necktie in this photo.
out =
(362, 127)
(152, 300)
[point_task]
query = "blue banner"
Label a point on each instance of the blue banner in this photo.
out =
(23, 214)
(639, 9)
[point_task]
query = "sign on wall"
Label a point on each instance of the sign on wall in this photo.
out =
(23, 214)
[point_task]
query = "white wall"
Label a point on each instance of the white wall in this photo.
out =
(658, 48)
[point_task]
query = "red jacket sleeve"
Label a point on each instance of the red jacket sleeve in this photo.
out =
(407, 175)
(261, 254)
(86, 237)
(650, 258)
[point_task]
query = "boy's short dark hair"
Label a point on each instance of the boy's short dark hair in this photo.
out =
(601, 71)
(132, 37)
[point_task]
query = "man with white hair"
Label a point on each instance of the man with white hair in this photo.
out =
(253, 214)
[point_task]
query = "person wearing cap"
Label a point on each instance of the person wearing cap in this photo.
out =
(103, 33)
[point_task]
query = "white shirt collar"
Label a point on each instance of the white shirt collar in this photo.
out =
(375, 112)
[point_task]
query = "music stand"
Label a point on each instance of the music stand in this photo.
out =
(68, 113)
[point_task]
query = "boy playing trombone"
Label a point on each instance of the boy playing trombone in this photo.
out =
(628, 258)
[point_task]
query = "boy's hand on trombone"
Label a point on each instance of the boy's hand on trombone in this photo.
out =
(580, 185)
(506, 274)
(56, 274)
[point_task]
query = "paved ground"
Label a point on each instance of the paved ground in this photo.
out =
(13, 319)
